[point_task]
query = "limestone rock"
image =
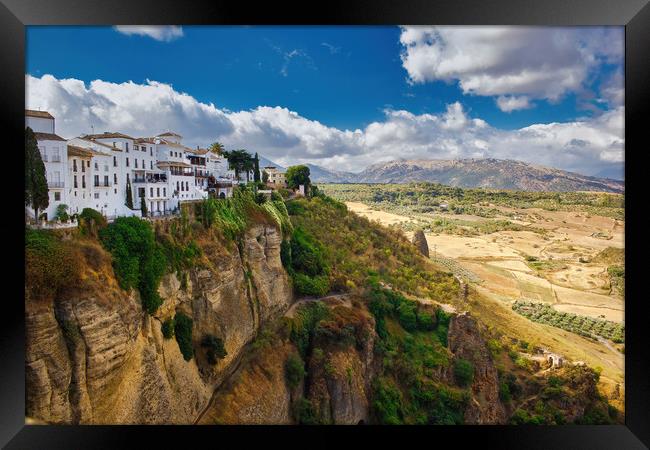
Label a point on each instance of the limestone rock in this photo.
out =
(420, 241)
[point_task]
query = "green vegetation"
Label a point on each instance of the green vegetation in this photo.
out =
(239, 161)
(303, 258)
(297, 175)
(304, 412)
(215, 348)
(356, 250)
(423, 198)
(183, 333)
(51, 265)
(412, 347)
(91, 222)
(463, 372)
(36, 190)
(167, 328)
(301, 327)
(138, 260)
(232, 216)
(617, 278)
(582, 325)
(62, 213)
(294, 370)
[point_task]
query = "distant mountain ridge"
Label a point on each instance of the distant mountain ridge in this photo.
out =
(486, 173)
(471, 173)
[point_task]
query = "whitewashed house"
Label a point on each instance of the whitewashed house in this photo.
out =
(54, 154)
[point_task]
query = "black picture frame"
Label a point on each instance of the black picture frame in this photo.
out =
(16, 14)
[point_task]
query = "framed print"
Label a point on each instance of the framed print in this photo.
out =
(376, 221)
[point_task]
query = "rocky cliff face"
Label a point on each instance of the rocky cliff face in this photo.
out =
(465, 342)
(93, 356)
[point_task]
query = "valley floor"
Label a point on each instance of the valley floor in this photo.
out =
(551, 259)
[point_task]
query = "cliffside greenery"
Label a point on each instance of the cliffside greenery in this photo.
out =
(183, 334)
(138, 260)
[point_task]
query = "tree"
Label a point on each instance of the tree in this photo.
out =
(143, 207)
(129, 194)
(265, 176)
(256, 168)
(217, 148)
(36, 192)
(239, 161)
(62, 212)
(297, 175)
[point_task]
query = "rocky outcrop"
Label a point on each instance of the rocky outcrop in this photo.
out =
(340, 371)
(466, 342)
(93, 355)
(420, 242)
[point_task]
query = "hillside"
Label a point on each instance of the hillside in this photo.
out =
(320, 174)
(239, 311)
(488, 173)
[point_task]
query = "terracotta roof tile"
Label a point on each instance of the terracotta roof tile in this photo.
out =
(48, 137)
(41, 114)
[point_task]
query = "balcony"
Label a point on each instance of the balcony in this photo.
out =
(150, 179)
(103, 184)
(55, 184)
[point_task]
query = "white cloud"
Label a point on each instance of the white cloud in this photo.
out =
(333, 50)
(509, 103)
(587, 145)
(535, 62)
(163, 33)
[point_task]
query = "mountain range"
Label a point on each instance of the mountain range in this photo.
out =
(469, 173)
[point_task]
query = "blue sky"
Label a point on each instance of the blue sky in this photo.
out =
(344, 79)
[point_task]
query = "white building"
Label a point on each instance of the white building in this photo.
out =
(54, 154)
(92, 171)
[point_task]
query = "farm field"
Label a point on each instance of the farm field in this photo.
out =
(561, 256)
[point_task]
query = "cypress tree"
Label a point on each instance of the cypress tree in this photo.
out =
(36, 191)
(143, 207)
(129, 195)
(256, 175)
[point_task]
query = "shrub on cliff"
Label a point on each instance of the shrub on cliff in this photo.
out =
(215, 348)
(183, 333)
(294, 370)
(386, 402)
(50, 264)
(463, 372)
(167, 328)
(91, 222)
(138, 260)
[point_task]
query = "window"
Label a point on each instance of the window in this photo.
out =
(150, 151)
(171, 153)
(96, 166)
(150, 192)
(96, 180)
(105, 167)
(140, 192)
(157, 192)
(96, 194)
(144, 166)
(177, 188)
(115, 190)
(164, 192)
(55, 154)
(127, 162)
(114, 144)
(136, 148)
(114, 178)
(74, 165)
(127, 177)
(83, 183)
(126, 146)
(57, 196)
(75, 182)
(83, 166)
(106, 180)
(151, 164)
(114, 161)
(136, 163)
(187, 185)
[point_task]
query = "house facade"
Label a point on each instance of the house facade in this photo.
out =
(276, 177)
(93, 170)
